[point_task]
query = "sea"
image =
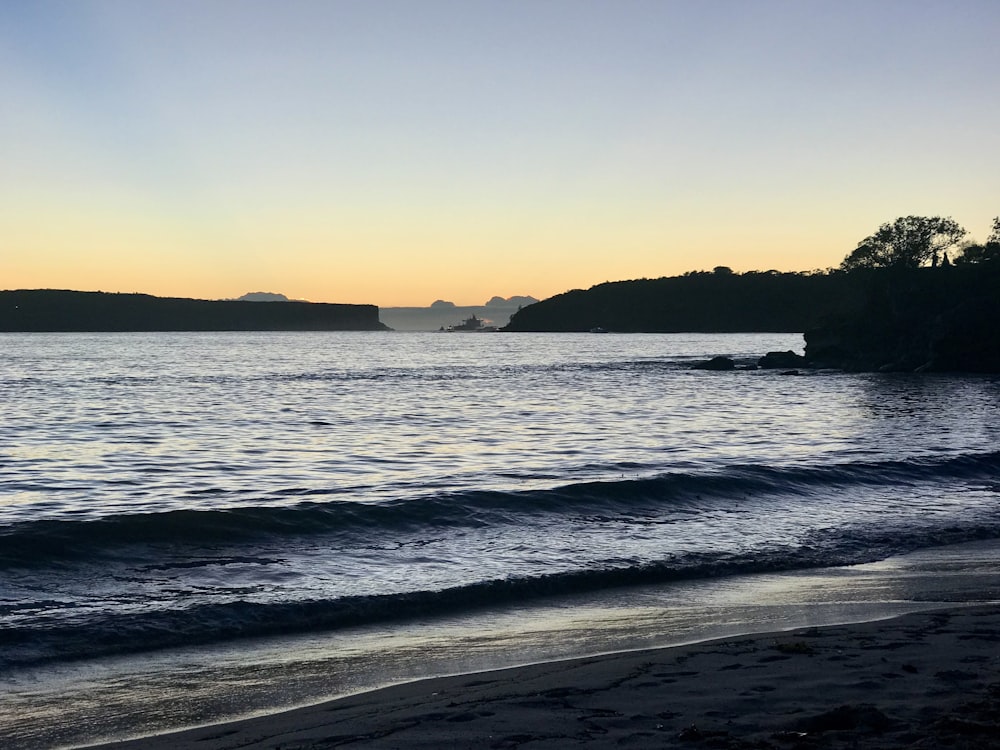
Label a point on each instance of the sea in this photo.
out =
(200, 526)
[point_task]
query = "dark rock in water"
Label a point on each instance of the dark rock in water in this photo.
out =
(827, 347)
(716, 363)
(791, 372)
(781, 360)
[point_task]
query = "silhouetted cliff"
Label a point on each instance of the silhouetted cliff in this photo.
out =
(58, 310)
(944, 319)
(720, 301)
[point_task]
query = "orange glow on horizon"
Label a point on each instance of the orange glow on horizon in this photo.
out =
(381, 157)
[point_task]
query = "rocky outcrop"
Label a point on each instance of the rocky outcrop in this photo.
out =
(716, 363)
(781, 361)
(924, 320)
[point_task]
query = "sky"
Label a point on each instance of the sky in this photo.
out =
(395, 152)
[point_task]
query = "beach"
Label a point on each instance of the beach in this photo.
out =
(922, 680)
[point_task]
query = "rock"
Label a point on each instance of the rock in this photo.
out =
(716, 363)
(828, 347)
(781, 360)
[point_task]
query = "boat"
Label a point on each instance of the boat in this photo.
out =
(473, 324)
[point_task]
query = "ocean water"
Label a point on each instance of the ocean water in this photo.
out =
(167, 492)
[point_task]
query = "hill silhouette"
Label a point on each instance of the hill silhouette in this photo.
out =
(62, 310)
(719, 301)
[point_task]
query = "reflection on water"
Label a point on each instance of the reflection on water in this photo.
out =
(939, 413)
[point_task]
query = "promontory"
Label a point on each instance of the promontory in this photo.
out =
(61, 310)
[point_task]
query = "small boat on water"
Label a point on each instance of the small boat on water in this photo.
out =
(473, 324)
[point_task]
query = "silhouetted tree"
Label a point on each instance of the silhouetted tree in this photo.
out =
(976, 253)
(908, 242)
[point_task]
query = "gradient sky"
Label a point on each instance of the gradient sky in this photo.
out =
(398, 152)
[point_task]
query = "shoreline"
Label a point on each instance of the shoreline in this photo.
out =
(81, 705)
(915, 680)
(85, 703)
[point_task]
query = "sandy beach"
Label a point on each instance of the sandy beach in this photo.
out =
(925, 680)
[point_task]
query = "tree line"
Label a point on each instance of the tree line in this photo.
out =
(916, 241)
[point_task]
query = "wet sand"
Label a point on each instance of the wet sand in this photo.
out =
(926, 680)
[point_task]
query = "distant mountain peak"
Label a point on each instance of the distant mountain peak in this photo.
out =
(511, 301)
(263, 297)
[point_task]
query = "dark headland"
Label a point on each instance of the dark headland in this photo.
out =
(943, 319)
(38, 310)
(897, 303)
(718, 301)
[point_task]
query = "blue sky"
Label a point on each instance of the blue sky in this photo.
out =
(401, 152)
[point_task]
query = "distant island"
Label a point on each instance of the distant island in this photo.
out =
(62, 310)
(444, 314)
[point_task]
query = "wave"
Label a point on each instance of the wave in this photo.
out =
(41, 542)
(433, 373)
(105, 634)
